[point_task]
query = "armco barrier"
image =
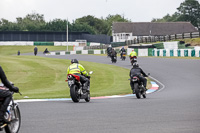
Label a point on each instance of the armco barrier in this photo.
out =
(43, 43)
(176, 52)
(142, 52)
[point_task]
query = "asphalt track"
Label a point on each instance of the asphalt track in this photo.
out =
(173, 109)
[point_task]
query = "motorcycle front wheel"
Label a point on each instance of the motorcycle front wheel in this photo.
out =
(88, 97)
(74, 93)
(14, 125)
(144, 93)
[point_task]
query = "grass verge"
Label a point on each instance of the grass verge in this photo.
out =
(10, 50)
(39, 77)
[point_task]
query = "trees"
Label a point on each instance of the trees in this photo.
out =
(31, 22)
(36, 22)
(56, 25)
(189, 11)
(114, 18)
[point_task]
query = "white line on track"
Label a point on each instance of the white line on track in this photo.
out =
(104, 97)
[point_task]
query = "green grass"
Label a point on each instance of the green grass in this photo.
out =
(192, 41)
(40, 77)
(9, 50)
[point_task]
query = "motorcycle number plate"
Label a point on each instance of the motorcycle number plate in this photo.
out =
(134, 79)
(70, 82)
(135, 59)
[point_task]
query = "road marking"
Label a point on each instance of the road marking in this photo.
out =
(154, 88)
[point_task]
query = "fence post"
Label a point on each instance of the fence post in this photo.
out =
(175, 36)
(183, 36)
(190, 35)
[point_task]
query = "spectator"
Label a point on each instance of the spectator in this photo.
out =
(35, 50)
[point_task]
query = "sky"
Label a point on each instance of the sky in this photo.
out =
(134, 10)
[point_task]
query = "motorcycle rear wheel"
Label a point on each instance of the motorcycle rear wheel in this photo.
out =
(137, 90)
(74, 93)
(14, 125)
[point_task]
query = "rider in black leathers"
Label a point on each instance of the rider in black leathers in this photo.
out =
(109, 49)
(122, 50)
(137, 71)
(113, 54)
(6, 94)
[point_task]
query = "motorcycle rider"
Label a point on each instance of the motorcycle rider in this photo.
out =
(122, 50)
(113, 54)
(78, 69)
(133, 53)
(137, 71)
(6, 94)
(109, 49)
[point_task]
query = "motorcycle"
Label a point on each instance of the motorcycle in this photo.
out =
(138, 87)
(123, 56)
(76, 88)
(12, 116)
(108, 54)
(133, 59)
(114, 59)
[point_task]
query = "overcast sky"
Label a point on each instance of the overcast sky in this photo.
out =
(134, 10)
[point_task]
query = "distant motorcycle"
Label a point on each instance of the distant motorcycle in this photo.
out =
(123, 56)
(12, 117)
(133, 59)
(76, 88)
(114, 59)
(138, 87)
(108, 54)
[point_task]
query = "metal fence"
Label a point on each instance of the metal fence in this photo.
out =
(52, 36)
(151, 39)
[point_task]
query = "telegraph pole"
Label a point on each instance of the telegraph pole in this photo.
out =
(67, 34)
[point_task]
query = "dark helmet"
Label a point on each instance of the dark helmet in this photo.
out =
(135, 64)
(74, 61)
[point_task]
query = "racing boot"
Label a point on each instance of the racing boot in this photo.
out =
(132, 87)
(1, 117)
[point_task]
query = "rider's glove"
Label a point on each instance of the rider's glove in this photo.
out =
(88, 77)
(15, 89)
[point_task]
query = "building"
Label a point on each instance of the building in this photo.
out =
(123, 31)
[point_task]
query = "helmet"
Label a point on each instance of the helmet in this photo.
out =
(74, 61)
(135, 64)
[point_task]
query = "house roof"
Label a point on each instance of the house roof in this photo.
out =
(153, 28)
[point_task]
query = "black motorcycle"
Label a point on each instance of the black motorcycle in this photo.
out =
(114, 59)
(12, 116)
(76, 88)
(123, 56)
(139, 88)
(108, 54)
